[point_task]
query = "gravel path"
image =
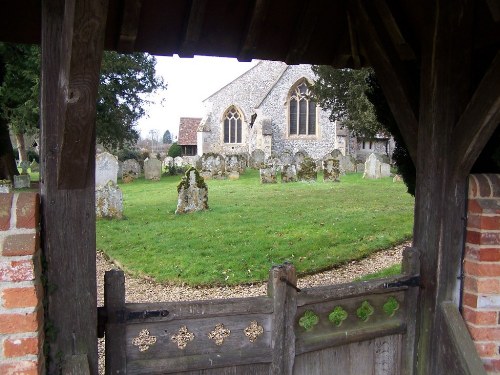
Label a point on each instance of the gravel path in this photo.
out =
(143, 290)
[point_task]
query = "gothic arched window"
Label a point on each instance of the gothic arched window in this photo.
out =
(232, 125)
(301, 110)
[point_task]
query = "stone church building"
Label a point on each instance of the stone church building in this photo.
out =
(268, 108)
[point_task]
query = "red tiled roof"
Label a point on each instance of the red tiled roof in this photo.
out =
(187, 131)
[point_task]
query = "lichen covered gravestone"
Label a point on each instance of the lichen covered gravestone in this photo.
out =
(131, 170)
(22, 181)
(192, 193)
(331, 170)
(257, 159)
(374, 168)
(268, 175)
(34, 167)
(288, 173)
(307, 170)
(109, 201)
(213, 166)
(152, 169)
(106, 169)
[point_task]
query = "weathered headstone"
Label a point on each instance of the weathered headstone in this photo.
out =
(234, 175)
(234, 163)
(168, 162)
(286, 157)
(131, 169)
(213, 166)
(372, 167)
(288, 173)
(5, 186)
(385, 170)
(360, 167)
(24, 165)
(109, 201)
(120, 169)
(22, 181)
(347, 164)
(331, 170)
(307, 170)
(299, 158)
(34, 167)
(178, 162)
(192, 193)
(152, 169)
(336, 153)
(397, 178)
(106, 169)
(268, 175)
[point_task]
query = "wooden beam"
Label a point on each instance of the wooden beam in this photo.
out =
(392, 75)
(254, 30)
(83, 39)
(405, 51)
(462, 357)
(193, 28)
(130, 25)
(479, 120)
(304, 31)
(69, 64)
(494, 7)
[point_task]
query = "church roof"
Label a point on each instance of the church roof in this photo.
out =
(187, 130)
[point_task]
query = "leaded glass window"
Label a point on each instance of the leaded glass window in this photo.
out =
(232, 126)
(301, 111)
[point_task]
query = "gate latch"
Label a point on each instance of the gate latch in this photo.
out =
(123, 316)
(413, 281)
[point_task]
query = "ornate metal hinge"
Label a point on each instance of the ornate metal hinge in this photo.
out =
(413, 281)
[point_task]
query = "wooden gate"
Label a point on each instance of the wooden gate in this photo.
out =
(357, 328)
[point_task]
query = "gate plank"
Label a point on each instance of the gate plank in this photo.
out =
(114, 301)
(388, 355)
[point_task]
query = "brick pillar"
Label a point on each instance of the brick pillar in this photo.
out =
(21, 311)
(481, 294)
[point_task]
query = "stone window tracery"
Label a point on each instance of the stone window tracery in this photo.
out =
(232, 126)
(301, 111)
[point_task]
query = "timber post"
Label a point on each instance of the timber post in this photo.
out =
(72, 46)
(282, 280)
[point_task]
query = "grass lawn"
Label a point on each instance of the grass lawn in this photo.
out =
(251, 227)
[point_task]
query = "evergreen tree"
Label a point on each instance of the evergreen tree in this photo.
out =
(167, 138)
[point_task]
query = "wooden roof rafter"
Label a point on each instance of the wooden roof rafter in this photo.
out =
(193, 28)
(405, 51)
(129, 28)
(253, 31)
(392, 74)
(480, 118)
(303, 31)
(354, 43)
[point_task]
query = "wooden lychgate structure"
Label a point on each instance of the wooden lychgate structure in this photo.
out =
(438, 63)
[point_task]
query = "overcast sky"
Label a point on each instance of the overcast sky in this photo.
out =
(189, 82)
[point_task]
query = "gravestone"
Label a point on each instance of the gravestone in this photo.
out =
(347, 164)
(257, 159)
(306, 171)
(34, 167)
(336, 153)
(268, 175)
(152, 169)
(213, 166)
(288, 173)
(299, 158)
(22, 181)
(5, 186)
(234, 175)
(372, 167)
(397, 178)
(178, 162)
(234, 163)
(109, 201)
(385, 170)
(106, 169)
(331, 170)
(131, 169)
(192, 193)
(286, 157)
(24, 165)
(168, 162)
(360, 167)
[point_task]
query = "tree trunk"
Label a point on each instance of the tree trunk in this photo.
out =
(8, 166)
(21, 147)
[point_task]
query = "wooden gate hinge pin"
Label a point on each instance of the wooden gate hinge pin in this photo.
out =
(285, 280)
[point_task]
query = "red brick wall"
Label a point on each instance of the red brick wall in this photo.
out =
(481, 294)
(21, 313)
